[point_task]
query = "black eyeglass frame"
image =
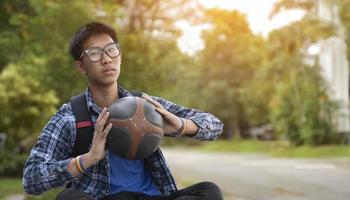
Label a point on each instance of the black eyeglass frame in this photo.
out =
(101, 50)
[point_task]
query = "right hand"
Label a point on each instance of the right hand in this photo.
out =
(98, 151)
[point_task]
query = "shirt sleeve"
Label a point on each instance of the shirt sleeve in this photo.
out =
(209, 126)
(46, 167)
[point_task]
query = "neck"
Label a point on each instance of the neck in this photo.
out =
(104, 95)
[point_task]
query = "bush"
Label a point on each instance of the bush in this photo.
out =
(303, 112)
(11, 165)
(25, 106)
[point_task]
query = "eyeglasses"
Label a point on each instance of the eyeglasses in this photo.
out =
(95, 53)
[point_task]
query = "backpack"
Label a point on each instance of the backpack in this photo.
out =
(84, 125)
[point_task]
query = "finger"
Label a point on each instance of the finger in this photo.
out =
(107, 129)
(152, 101)
(105, 118)
(166, 114)
(102, 124)
(169, 129)
(161, 111)
(99, 126)
(104, 110)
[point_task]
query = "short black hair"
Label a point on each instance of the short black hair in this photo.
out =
(85, 32)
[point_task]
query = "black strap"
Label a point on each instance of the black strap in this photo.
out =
(85, 128)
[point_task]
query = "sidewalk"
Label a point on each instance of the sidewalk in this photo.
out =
(16, 197)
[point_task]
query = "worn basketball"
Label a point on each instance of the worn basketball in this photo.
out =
(136, 128)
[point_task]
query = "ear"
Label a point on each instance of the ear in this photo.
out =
(80, 67)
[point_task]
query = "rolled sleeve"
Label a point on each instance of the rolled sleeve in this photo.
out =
(209, 126)
(46, 167)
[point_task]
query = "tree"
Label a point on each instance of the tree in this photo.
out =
(344, 12)
(300, 108)
(10, 39)
(310, 7)
(227, 63)
(38, 34)
(25, 105)
(152, 61)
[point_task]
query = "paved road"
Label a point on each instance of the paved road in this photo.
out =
(257, 177)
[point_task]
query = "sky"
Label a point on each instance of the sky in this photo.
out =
(257, 12)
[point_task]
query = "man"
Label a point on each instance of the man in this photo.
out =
(96, 53)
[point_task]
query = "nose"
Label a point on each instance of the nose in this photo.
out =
(105, 58)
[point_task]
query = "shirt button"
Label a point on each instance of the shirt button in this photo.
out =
(59, 169)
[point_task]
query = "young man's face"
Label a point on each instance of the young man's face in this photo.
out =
(103, 69)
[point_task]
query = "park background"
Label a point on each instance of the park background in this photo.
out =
(268, 86)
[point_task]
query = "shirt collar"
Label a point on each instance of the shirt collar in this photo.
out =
(93, 108)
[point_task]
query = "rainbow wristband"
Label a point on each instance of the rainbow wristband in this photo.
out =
(80, 165)
(75, 160)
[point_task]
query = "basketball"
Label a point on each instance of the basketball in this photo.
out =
(136, 128)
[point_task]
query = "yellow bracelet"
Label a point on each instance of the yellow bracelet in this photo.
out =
(76, 164)
(80, 169)
(80, 161)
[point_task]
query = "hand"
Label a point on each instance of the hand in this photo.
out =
(172, 122)
(97, 151)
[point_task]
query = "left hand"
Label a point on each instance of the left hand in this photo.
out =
(172, 122)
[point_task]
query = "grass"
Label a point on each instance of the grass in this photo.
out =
(276, 148)
(10, 186)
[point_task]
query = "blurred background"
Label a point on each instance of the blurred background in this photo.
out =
(276, 72)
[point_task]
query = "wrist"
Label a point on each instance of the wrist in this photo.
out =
(79, 164)
(182, 129)
(90, 159)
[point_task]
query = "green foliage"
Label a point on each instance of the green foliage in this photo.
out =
(25, 105)
(44, 42)
(151, 64)
(310, 6)
(152, 61)
(344, 12)
(11, 165)
(232, 53)
(300, 108)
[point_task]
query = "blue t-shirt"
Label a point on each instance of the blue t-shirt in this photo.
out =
(131, 176)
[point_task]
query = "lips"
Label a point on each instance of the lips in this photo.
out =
(109, 70)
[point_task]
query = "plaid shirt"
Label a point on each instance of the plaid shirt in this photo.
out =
(46, 167)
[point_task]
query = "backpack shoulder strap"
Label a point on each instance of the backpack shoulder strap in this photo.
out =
(84, 125)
